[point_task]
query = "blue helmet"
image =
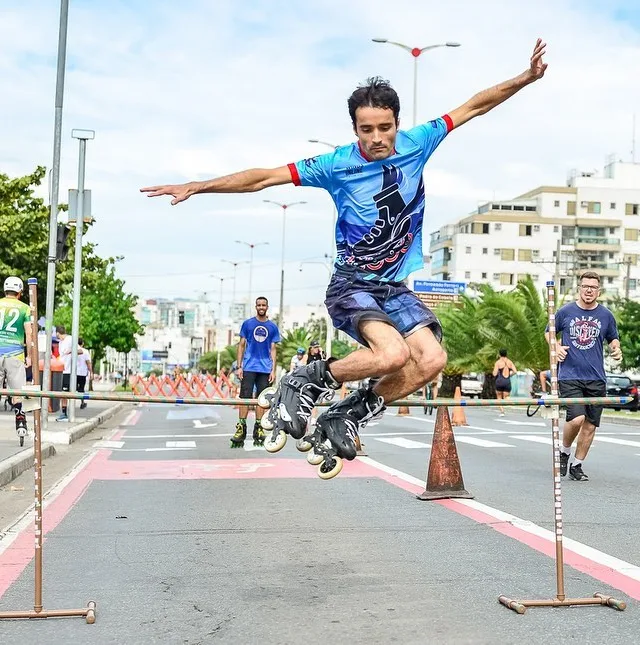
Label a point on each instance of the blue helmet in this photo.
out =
(300, 350)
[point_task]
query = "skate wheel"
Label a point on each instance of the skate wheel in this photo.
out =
(266, 422)
(264, 398)
(314, 458)
(329, 471)
(303, 446)
(277, 444)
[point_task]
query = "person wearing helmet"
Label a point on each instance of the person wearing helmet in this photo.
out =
(297, 359)
(315, 352)
(15, 328)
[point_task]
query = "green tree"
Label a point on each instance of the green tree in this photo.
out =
(627, 314)
(209, 361)
(106, 313)
(287, 347)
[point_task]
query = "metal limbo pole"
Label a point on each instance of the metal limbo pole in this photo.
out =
(88, 612)
(520, 606)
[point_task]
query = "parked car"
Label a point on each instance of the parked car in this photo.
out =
(471, 385)
(620, 385)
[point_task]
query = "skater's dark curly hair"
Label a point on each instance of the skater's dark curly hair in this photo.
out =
(376, 93)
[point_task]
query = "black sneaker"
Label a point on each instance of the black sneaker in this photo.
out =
(576, 472)
(564, 462)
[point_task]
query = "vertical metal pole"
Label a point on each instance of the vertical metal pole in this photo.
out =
(555, 430)
(32, 344)
(284, 223)
(250, 274)
(53, 206)
(557, 272)
(77, 279)
(415, 91)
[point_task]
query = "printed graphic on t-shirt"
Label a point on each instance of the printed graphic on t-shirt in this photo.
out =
(584, 331)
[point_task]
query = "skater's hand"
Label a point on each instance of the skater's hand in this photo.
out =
(561, 352)
(240, 373)
(180, 192)
(616, 353)
(272, 377)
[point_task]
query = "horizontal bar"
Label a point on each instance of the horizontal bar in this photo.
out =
(51, 613)
(130, 397)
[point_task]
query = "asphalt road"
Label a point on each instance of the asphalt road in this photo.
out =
(180, 539)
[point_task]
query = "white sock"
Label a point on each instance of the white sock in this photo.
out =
(576, 462)
(566, 451)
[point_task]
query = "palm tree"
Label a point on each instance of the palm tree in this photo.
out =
(289, 344)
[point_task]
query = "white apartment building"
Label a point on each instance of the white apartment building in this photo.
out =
(595, 219)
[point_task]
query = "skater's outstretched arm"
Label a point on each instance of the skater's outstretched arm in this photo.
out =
(486, 100)
(247, 181)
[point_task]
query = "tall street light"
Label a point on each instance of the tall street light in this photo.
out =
(415, 52)
(251, 247)
(83, 136)
(284, 225)
(235, 270)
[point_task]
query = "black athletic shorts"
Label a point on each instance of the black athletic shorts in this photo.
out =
(251, 380)
(574, 389)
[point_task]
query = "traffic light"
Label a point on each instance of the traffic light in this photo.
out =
(181, 317)
(62, 246)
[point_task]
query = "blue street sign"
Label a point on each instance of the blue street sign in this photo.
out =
(439, 286)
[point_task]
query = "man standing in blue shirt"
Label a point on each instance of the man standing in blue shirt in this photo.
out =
(584, 326)
(257, 368)
(377, 186)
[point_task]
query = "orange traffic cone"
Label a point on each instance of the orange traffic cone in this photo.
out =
(459, 417)
(444, 479)
(360, 448)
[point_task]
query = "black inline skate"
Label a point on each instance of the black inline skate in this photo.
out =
(237, 441)
(336, 430)
(21, 426)
(259, 434)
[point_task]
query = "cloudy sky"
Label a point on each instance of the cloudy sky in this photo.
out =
(178, 91)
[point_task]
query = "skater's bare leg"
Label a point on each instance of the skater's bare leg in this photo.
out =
(426, 361)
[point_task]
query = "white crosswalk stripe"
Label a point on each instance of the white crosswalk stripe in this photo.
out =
(533, 438)
(180, 444)
(620, 442)
(402, 442)
(482, 443)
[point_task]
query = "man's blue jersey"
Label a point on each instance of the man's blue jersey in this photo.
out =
(380, 203)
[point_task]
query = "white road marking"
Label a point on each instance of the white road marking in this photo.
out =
(175, 436)
(523, 423)
(534, 438)
(180, 444)
(249, 447)
(625, 568)
(620, 442)
(403, 443)
(483, 443)
(108, 444)
(198, 424)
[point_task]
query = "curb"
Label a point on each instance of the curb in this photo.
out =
(14, 466)
(66, 437)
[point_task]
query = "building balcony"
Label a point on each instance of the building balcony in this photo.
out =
(584, 243)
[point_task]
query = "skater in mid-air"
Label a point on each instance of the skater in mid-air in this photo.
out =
(378, 189)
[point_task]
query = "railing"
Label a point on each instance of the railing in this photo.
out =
(613, 241)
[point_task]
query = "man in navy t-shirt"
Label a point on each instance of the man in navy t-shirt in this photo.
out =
(584, 326)
(256, 367)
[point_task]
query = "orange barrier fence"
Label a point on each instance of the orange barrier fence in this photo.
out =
(199, 386)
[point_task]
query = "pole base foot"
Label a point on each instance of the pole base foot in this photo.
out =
(520, 606)
(429, 495)
(88, 613)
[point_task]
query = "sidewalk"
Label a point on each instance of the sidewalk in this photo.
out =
(14, 460)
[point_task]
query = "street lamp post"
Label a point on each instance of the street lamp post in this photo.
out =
(284, 225)
(251, 247)
(83, 136)
(415, 52)
(235, 270)
(328, 265)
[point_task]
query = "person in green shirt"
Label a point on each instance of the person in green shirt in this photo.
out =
(15, 328)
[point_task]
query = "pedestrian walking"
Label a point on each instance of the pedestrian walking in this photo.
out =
(584, 326)
(65, 348)
(256, 368)
(84, 370)
(503, 370)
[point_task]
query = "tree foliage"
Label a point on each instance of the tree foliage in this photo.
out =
(627, 314)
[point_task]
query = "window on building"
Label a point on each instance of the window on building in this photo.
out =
(612, 206)
(497, 227)
(467, 250)
(631, 258)
(556, 229)
(611, 256)
(609, 280)
(508, 254)
(518, 208)
(612, 231)
(556, 203)
(632, 209)
(480, 228)
(571, 208)
(525, 230)
(506, 279)
(484, 276)
(485, 251)
(467, 275)
(631, 234)
(522, 276)
(294, 325)
(535, 253)
(536, 229)
(535, 277)
(496, 276)
(505, 207)
(530, 209)
(495, 207)
(593, 208)
(524, 255)
(632, 284)
(497, 251)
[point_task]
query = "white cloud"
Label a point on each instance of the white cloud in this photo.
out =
(195, 89)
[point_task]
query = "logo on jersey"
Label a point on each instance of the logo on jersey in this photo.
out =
(584, 331)
(260, 334)
(310, 161)
(390, 237)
